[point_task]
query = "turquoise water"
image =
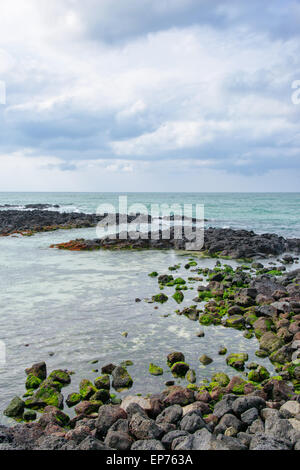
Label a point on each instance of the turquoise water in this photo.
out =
(76, 305)
(261, 212)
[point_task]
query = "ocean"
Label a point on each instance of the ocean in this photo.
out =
(69, 308)
(261, 212)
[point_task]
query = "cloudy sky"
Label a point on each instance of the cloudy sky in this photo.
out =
(149, 95)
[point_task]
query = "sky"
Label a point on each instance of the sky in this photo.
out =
(150, 95)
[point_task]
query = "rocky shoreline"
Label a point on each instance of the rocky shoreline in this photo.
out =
(236, 244)
(30, 222)
(251, 410)
(226, 243)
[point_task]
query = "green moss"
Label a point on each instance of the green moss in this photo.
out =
(178, 297)
(60, 376)
(46, 395)
(73, 399)
(222, 351)
(206, 319)
(248, 334)
(239, 389)
(221, 379)
(102, 382)
(174, 268)
(115, 401)
(161, 298)
(237, 361)
(258, 375)
(205, 295)
(179, 280)
(235, 321)
(181, 287)
(32, 382)
(155, 370)
(191, 376)
(86, 389)
(193, 387)
(154, 274)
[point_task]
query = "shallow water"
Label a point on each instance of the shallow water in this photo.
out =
(77, 304)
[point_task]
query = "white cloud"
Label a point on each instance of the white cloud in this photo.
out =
(181, 88)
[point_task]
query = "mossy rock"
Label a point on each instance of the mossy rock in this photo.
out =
(205, 295)
(73, 399)
(221, 378)
(193, 387)
(155, 370)
(46, 395)
(29, 415)
(86, 389)
(38, 370)
(15, 408)
(179, 280)
(205, 360)
(270, 342)
(179, 369)
(190, 312)
(102, 382)
(239, 388)
(121, 379)
(153, 274)
(250, 318)
(237, 361)
(115, 400)
(101, 395)
(60, 376)
(222, 351)
(258, 375)
(235, 321)
(32, 382)
(160, 298)
(191, 376)
(178, 297)
(261, 353)
(165, 278)
(206, 319)
(174, 357)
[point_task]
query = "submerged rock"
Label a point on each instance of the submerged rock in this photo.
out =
(205, 360)
(155, 370)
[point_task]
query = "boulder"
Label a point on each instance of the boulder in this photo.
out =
(38, 370)
(121, 379)
(15, 408)
(144, 428)
(108, 415)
